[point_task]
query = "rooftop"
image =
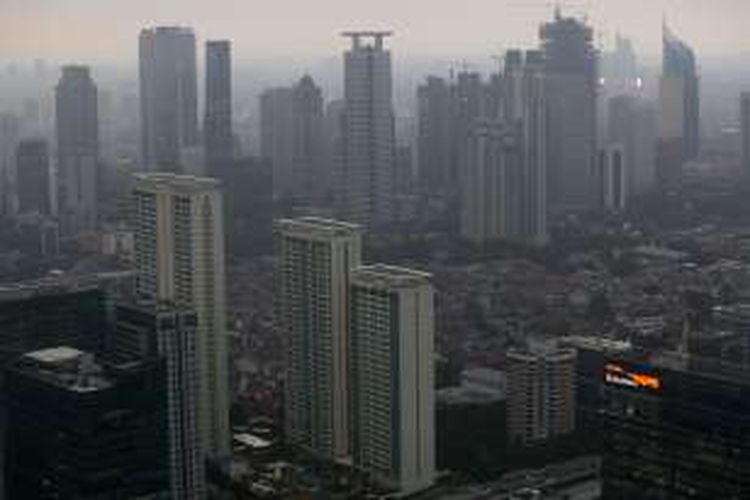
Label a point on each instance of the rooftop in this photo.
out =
(58, 283)
(317, 226)
(64, 367)
(167, 181)
(389, 277)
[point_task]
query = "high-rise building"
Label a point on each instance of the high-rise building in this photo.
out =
(77, 150)
(631, 123)
(570, 65)
(308, 167)
(679, 108)
(217, 121)
(612, 164)
(168, 93)
(9, 132)
(80, 428)
(292, 136)
(315, 259)
(490, 195)
(525, 107)
(277, 137)
(69, 310)
(674, 427)
(144, 331)
(745, 124)
(33, 188)
(435, 136)
(364, 181)
(179, 255)
(541, 393)
(392, 353)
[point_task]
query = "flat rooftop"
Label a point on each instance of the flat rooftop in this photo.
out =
(389, 277)
(64, 367)
(59, 283)
(316, 227)
(169, 182)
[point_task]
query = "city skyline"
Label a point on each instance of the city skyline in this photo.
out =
(312, 29)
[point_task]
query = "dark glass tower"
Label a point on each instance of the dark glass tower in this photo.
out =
(217, 122)
(679, 63)
(79, 428)
(33, 177)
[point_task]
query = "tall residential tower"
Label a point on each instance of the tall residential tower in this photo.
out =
(217, 121)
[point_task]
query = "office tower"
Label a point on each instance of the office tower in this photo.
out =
(679, 108)
(745, 130)
(217, 121)
(80, 428)
(179, 255)
(619, 70)
(33, 177)
(524, 106)
(311, 176)
(392, 351)
(77, 126)
(435, 136)
(69, 310)
(277, 137)
(315, 259)
(292, 137)
(364, 183)
(675, 427)
(570, 62)
(632, 124)
(9, 133)
(168, 93)
(145, 331)
(490, 198)
(541, 393)
(248, 206)
(613, 193)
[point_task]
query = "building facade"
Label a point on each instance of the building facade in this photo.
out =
(364, 181)
(169, 96)
(315, 259)
(392, 352)
(77, 127)
(78, 428)
(33, 185)
(541, 394)
(217, 121)
(145, 331)
(179, 257)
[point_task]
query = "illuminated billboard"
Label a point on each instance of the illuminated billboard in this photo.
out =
(627, 375)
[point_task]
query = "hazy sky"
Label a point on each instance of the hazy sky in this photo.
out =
(106, 30)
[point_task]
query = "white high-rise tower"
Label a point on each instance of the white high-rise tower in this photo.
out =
(365, 180)
(179, 254)
(315, 259)
(393, 414)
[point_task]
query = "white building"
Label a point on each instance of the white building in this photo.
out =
(393, 414)
(179, 256)
(364, 182)
(315, 259)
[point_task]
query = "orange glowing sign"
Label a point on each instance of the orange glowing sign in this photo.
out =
(618, 374)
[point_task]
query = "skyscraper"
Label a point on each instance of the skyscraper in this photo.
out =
(277, 137)
(435, 136)
(9, 132)
(613, 177)
(315, 259)
(541, 393)
(745, 124)
(179, 255)
(631, 123)
(78, 427)
(77, 128)
(217, 122)
(150, 331)
(679, 108)
(364, 182)
(392, 352)
(33, 177)
(168, 92)
(570, 64)
(292, 137)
